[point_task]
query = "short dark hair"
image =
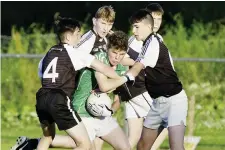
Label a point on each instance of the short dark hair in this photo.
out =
(155, 7)
(63, 25)
(140, 15)
(118, 40)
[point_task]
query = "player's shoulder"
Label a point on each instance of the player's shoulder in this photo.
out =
(59, 47)
(75, 54)
(134, 42)
(71, 50)
(131, 39)
(150, 42)
(89, 36)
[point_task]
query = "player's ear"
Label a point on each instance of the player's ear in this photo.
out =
(67, 37)
(94, 21)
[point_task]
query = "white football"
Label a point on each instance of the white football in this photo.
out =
(96, 99)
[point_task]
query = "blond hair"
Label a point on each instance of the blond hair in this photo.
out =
(106, 13)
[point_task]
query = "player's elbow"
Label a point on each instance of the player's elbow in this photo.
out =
(104, 89)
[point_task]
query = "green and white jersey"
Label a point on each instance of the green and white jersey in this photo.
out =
(87, 82)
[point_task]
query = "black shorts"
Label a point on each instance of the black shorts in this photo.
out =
(54, 106)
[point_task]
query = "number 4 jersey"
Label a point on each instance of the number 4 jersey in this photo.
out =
(58, 68)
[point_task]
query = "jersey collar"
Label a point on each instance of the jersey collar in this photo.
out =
(149, 36)
(67, 45)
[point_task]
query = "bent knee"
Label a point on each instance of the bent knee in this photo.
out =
(124, 147)
(48, 138)
(133, 140)
(85, 145)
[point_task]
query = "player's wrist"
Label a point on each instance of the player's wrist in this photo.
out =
(125, 77)
(129, 77)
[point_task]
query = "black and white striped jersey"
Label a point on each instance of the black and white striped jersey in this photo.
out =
(58, 68)
(91, 43)
(161, 78)
(135, 48)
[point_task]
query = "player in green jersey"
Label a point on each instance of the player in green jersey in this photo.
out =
(105, 127)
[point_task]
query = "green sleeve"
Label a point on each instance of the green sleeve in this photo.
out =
(85, 85)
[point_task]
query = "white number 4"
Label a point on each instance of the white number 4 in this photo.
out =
(52, 65)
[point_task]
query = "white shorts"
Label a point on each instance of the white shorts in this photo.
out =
(138, 107)
(168, 112)
(97, 127)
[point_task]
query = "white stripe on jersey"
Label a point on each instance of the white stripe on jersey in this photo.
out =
(171, 60)
(85, 37)
(131, 40)
(144, 49)
(71, 110)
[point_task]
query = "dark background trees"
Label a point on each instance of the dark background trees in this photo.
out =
(22, 14)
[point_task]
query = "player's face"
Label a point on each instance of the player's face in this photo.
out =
(141, 30)
(75, 37)
(157, 20)
(115, 56)
(102, 27)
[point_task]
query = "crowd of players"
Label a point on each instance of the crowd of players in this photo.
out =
(138, 71)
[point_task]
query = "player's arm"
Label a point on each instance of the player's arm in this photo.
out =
(81, 59)
(127, 61)
(106, 84)
(135, 70)
(150, 58)
(116, 103)
(104, 69)
(133, 44)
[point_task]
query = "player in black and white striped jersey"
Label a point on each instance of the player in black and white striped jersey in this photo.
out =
(139, 104)
(169, 107)
(95, 39)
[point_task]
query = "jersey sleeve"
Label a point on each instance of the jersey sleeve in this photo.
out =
(80, 59)
(150, 53)
(134, 48)
(86, 43)
(134, 44)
